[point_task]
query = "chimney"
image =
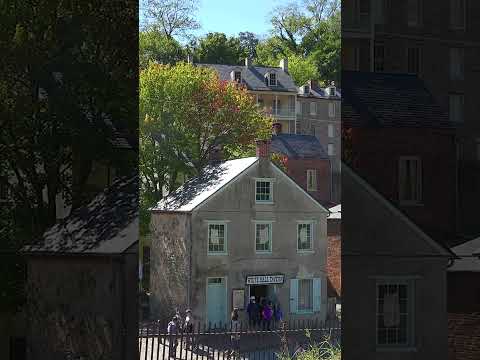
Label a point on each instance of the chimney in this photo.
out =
(190, 59)
(284, 64)
(277, 128)
(248, 62)
(263, 149)
(216, 154)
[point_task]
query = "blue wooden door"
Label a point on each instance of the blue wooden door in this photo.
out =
(216, 301)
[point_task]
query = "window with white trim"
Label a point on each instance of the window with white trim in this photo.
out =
(263, 191)
(217, 238)
(410, 180)
(263, 237)
(331, 149)
(272, 77)
(238, 76)
(457, 14)
(331, 131)
(331, 109)
(456, 107)
(312, 180)
(456, 63)
(394, 313)
(313, 108)
(305, 295)
(304, 236)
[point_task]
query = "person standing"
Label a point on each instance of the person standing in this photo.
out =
(253, 312)
(278, 313)
(188, 328)
(172, 330)
(235, 328)
(267, 315)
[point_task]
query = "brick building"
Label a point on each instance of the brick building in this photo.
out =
(438, 41)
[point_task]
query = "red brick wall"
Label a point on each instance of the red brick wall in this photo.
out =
(334, 270)
(376, 153)
(297, 169)
(463, 336)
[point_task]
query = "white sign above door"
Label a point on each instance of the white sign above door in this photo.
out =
(265, 279)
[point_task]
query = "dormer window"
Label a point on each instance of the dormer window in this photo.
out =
(306, 89)
(271, 79)
(238, 76)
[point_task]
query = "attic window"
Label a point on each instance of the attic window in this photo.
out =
(306, 89)
(271, 79)
(238, 76)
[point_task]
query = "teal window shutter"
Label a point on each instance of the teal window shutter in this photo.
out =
(317, 294)
(293, 296)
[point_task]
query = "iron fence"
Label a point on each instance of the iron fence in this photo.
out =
(245, 342)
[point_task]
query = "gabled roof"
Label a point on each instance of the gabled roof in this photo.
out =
(298, 146)
(198, 189)
(107, 225)
(390, 100)
(469, 256)
(319, 93)
(254, 77)
(442, 249)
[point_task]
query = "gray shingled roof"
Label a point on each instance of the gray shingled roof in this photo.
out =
(319, 93)
(297, 146)
(389, 100)
(254, 76)
(107, 225)
(195, 191)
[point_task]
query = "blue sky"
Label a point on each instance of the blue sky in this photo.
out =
(234, 16)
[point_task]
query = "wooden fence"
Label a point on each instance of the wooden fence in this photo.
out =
(219, 342)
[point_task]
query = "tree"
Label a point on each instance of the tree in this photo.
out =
(171, 17)
(154, 46)
(217, 48)
(189, 111)
(248, 44)
(289, 23)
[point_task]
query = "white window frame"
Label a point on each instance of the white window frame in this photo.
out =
(419, 189)
(331, 130)
(235, 76)
(331, 149)
(456, 110)
(457, 63)
(223, 223)
(410, 312)
(263, 222)
(331, 109)
(312, 174)
(270, 82)
(305, 311)
(313, 108)
(267, 180)
(312, 235)
(454, 26)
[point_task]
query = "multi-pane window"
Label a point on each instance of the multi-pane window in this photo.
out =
(379, 57)
(457, 103)
(217, 238)
(457, 14)
(263, 190)
(305, 294)
(331, 131)
(313, 108)
(456, 63)
(276, 106)
(331, 149)
(414, 60)
(410, 179)
(273, 79)
(238, 76)
(414, 12)
(304, 236)
(394, 314)
(311, 180)
(331, 109)
(263, 237)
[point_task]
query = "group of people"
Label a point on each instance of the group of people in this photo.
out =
(175, 326)
(263, 313)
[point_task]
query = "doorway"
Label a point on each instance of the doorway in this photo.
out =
(263, 291)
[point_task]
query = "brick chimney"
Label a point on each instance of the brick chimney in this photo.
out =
(284, 64)
(276, 128)
(263, 149)
(248, 62)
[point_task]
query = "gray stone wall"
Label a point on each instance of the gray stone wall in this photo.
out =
(169, 264)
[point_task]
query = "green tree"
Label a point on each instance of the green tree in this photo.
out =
(248, 44)
(185, 112)
(154, 46)
(217, 48)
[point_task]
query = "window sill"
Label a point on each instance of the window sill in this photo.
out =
(217, 254)
(263, 202)
(305, 252)
(263, 253)
(397, 349)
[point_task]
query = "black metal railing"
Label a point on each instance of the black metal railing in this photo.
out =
(241, 341)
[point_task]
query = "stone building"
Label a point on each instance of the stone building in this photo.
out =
(241, 228)
(82, 281)
(319, 114)
(394, 280)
